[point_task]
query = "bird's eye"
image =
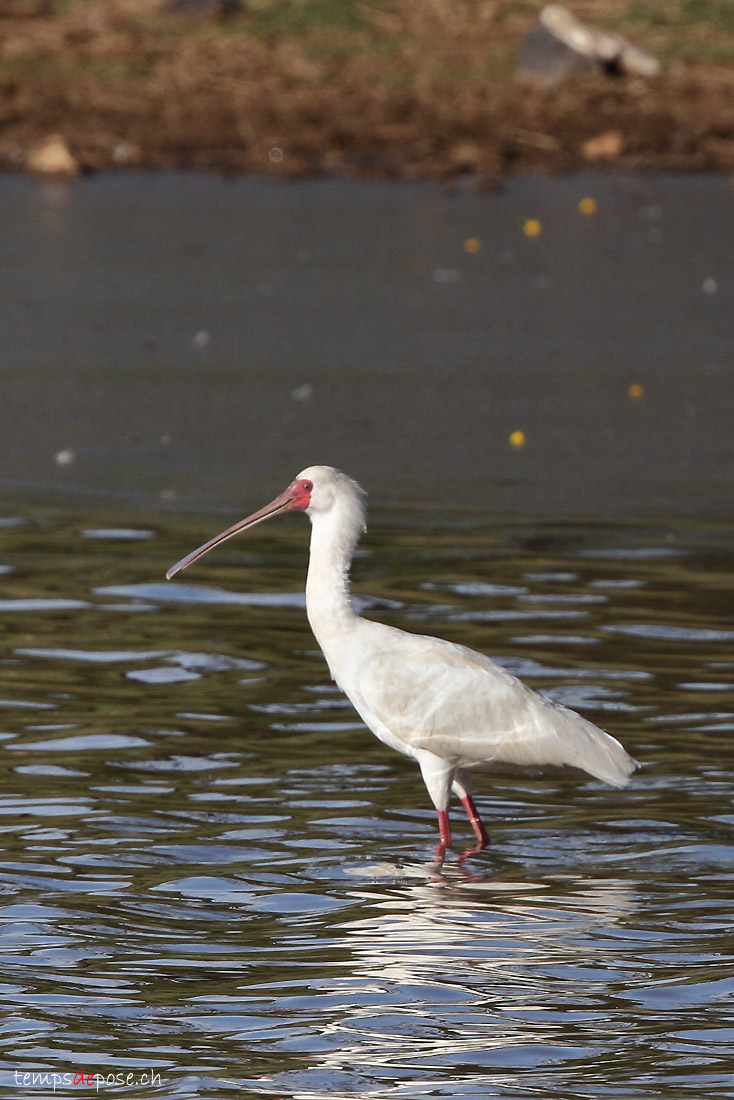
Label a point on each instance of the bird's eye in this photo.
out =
(308, 486)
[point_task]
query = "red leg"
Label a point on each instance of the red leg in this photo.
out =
(476, 822)
(444, 828)
(445, 831)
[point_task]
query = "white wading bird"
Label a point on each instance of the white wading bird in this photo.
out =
(451, 709)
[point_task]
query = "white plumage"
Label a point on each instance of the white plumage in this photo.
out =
(451, 709)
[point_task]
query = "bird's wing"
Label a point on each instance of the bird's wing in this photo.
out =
(444, 698)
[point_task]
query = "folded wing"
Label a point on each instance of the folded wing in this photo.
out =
(441, 697)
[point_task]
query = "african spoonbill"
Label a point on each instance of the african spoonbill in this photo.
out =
(449, 708)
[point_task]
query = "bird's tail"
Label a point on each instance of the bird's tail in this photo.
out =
(589, 748)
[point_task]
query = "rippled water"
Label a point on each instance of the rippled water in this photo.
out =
(212, 873)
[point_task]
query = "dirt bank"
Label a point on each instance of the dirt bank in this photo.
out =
(338, 87)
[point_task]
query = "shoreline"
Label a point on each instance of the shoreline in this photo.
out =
(403, 92)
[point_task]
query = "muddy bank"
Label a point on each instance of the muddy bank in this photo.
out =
(297, 89)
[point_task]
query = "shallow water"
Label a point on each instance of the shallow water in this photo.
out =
(212, 872)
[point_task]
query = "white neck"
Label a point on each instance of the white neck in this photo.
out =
(328, 601)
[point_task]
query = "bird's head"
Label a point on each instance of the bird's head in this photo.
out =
(319, 489)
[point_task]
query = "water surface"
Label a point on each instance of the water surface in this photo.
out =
(198, 341)
(213, 872)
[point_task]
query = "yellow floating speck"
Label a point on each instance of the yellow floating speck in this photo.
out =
(517, 438)
(532, 227)
(588, 206)
(635, 391)
(472, 245)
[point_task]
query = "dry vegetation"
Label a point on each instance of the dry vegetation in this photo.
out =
(371, 87)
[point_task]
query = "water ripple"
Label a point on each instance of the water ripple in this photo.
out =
(236, 883)
(42, 603)
(97, 742)
(668, 633)
(126, 534)
(173, 592)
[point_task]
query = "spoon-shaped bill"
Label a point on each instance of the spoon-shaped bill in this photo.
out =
(282, 503)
